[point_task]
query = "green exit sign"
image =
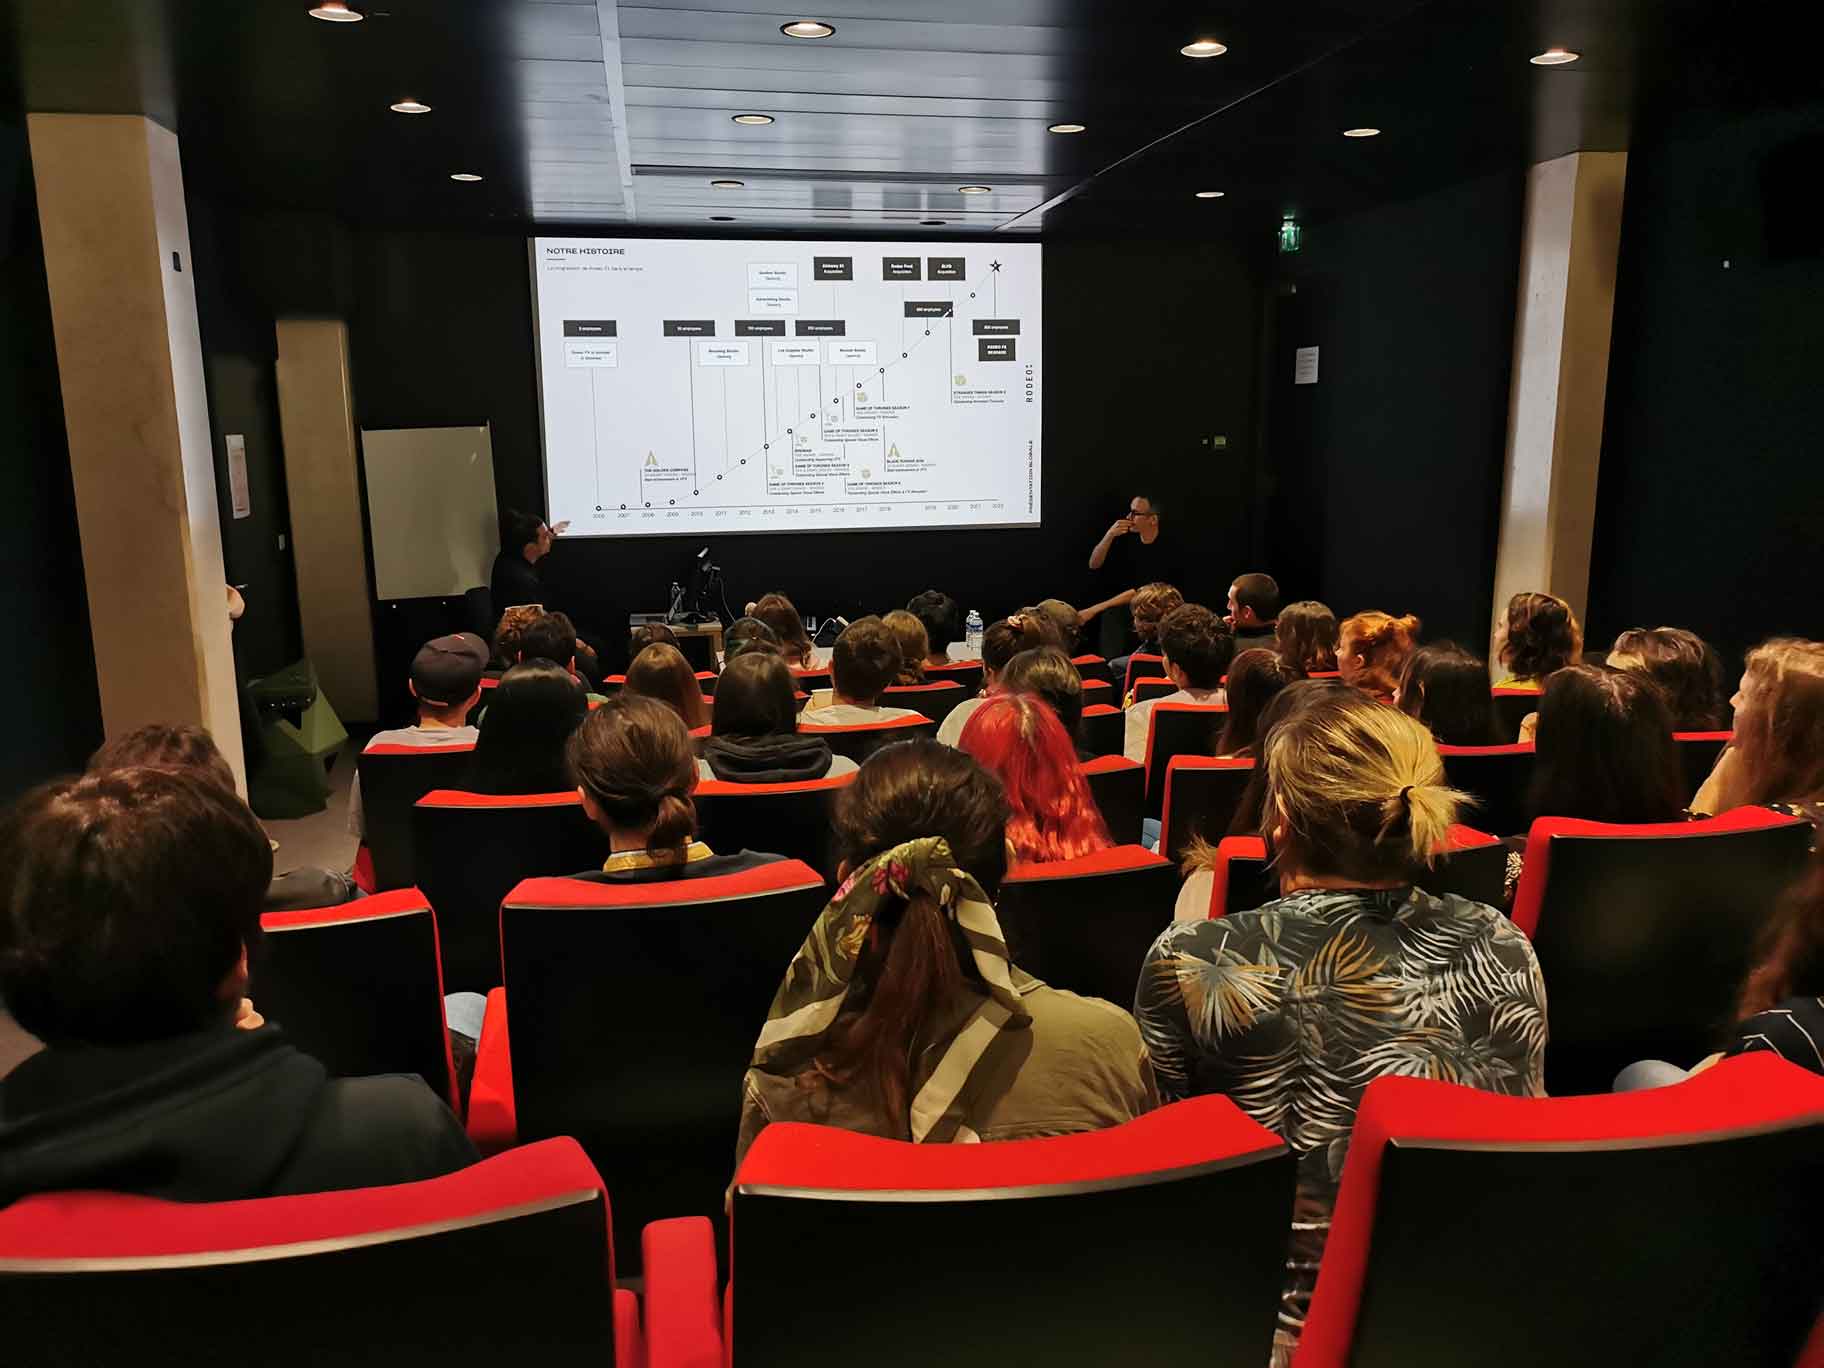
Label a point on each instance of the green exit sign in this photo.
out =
(1291, 236)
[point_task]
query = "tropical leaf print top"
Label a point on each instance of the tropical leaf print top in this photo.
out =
(1293, 1009)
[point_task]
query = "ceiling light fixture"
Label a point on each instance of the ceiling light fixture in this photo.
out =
(1065, 128)
(727, 184)
(754, 120)
(931, 223)
(410, 107)
(721, 218)
(466, 177)
(807, 28)
(1361, 132)
(1555, 57)
(1210, 194)
(1204, 47)
(336, 12)
(974, 189)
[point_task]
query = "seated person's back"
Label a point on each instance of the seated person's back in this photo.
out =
(902, 1016)
(865, 662)
(1197, 649)
(535, 708)
(754, 737)
(635, 768)
(446, 684)
(132, 898)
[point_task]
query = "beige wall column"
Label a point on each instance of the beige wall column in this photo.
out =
(117, 256)
(1561, 373)
(323, 485)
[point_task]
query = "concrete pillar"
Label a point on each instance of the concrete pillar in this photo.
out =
(1561, 371)
(323, 488)
(130, 360)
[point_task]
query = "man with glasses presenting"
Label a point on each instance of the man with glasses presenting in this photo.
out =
(1146, 557)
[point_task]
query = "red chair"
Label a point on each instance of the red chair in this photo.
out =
(1152, 686)
(1675, 1226)
(1041, 1251)
(935, 700)
(1512, 707)
(1473, 866)
(586, 1039)
(793, 820)
(1099, 691)
(1093, 668)
(359, 987)
(1497, 777)
(1202, 793)
(478, 846)
(1087, 924)
(968, 673)
(1119, 787)
(1178, 729)
(1644, 933)
(1139, 664)
(1101, 731)
(393, 778)
(809, 681)
(507, 1261)
(861, 740)
(1697, 752)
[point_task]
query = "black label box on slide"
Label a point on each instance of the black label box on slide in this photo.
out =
(589, 327)
(759, 327)
(945, 268)
(996, 327)
(690, 327)
(820, 327)
(994, 348)
(833, 268)
(900, 268)
(929, 308)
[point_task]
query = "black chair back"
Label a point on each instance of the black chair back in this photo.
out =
(1497, 777)
(1178, 729)
(1101, 732)
(393, 778)
(1201, 796)
(860, 741)
(935, 700)
(793, 820)
(1093, 667)
(1119, 787)
(1512, 707)
(1087, 924)
(1697, 753)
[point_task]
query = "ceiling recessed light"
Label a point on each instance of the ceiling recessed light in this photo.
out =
(410, 107)
(721, 218)
(1204, 47)
(336, 12)
(931, 223)
(1361, 132)
(1210, 194)
(807, 28)
(974, 189)
(466, 177)
(727, 184)
(1064, 128)
(1555, 57)
(754, 119)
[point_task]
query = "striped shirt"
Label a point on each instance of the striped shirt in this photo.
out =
(1794, 1030)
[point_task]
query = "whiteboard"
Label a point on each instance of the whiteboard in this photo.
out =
(434, 525)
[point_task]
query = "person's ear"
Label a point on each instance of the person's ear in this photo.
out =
(234, 987)
(842, 866)
(590, 810)
(474, 698)
(413, 687)
(1012, 858)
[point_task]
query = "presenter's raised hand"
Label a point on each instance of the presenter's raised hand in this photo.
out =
(1120, 527)
(558, 529)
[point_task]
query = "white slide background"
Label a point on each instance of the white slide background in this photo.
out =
(695, 386)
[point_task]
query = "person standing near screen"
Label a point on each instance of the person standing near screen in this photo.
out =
(525, 540)
(1134, 551)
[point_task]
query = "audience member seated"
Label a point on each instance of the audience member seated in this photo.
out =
(1689, 673)
(1066, 619)
(778, 612)
(1446, 688)
(754, 728)
(191, 750)
(1047, 673)
(1305, 637)
(533, 711)
(1539, 636)
(914, 646)
(745, 635)
(506, 648)
(1777, 756)
(552, 637)
(1256, 677)
(661, 672)
(864, 664)
(635, 769)
(1051, 813)
(446, 681)
(1001, 642)
(942, 621)
(1293, 1009)
(1371, 652)
(1150, 606)
(130, 902)
(1254, 611)
(903, 1016)
(1197, 649)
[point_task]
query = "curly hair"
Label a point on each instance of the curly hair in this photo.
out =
(1542, 636)
(1383, 643)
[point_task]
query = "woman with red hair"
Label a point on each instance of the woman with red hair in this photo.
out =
(1053, 816)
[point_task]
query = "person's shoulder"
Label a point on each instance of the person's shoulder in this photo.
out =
(1063, 1015)
(1793, 1029)
(369, 1132)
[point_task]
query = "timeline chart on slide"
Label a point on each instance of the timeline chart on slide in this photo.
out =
(802, 386)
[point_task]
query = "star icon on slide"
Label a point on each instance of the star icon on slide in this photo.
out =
(994, 265)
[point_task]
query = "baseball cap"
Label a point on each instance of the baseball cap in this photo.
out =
(447, 669)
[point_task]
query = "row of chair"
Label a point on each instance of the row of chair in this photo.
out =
(1675, 1227)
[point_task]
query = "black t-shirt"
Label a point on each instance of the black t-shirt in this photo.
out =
(1132, 563)
(514, 582)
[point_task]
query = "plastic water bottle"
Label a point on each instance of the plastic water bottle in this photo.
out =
(972, 632)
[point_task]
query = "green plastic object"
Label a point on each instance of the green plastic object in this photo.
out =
(300, 733)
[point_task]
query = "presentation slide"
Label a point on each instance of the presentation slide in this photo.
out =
(688, 387)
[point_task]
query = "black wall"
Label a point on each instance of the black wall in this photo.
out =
(1150, 350)
(47, 690)
(1386, 474)
(1711, 503)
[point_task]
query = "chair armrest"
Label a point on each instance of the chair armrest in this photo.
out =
(629, 1344)
(493, 1123)
(683, 1311)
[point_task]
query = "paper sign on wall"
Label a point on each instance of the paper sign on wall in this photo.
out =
(1304, 366)
(237, 475)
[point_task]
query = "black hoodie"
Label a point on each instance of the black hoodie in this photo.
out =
(786, 758)
(212, 1117)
